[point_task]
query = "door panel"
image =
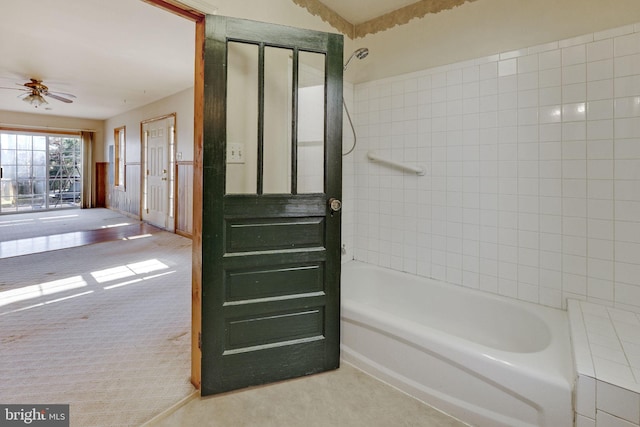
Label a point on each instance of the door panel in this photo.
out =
(273, 281)
(270, 254)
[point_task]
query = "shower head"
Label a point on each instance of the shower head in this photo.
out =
(359, 53)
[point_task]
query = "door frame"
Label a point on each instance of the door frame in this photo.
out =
(198, 18)
(143, 168)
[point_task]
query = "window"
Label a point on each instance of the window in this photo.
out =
(120, 141)
(39, 171)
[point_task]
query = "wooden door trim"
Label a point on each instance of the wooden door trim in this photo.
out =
(198, 87)
(177, 8)
(155, 119)
(196, 239)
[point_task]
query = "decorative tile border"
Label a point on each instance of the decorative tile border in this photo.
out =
(389, 20)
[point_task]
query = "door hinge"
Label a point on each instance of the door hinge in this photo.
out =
(200, 340)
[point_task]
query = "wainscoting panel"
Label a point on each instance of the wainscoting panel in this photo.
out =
(184, 194)
(127, 201)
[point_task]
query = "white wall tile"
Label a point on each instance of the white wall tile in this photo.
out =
(627, 148)
(627, 107)
(599, 110)
(577, 92)
(618, 402)
(513, 54)
(627, 65)
(600, 70)
(627, 86)
(574, 55)
(614, 32)
(528, 63)
(574, 112)
(550, 59)
(600, 150)
(574, 41)
(574, 74)
(599, 50)
(603, 419)
(627, 294)
(582, 421)
(586, 396)
(553, 77)
(627, 44)
(534, 165)
(627, 210)
(600, 89)
(507, 67)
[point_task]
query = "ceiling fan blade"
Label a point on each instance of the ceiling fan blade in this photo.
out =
(67, 95)
(14, 88)
(59, 98)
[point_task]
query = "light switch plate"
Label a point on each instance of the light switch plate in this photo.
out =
(235, 152)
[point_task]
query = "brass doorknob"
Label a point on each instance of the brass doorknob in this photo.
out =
(335, 204)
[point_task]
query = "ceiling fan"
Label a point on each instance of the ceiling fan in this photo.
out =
(36, 91)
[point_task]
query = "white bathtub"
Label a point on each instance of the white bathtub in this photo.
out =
(484, 359)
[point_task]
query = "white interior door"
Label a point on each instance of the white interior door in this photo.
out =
(159, 172)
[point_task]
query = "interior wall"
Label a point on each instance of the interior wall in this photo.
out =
(484, 28)
(532, 159)
(181, 103)
(45, 121)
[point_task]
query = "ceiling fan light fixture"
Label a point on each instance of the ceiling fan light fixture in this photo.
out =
(35, 99)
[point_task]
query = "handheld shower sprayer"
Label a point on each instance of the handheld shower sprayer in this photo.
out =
(360, 54)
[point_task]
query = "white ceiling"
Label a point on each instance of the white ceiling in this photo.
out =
(113, 55)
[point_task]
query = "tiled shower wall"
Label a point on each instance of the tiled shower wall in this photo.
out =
(348, 177)
(532, 187)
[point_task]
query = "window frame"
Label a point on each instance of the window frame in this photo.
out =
(120, 161)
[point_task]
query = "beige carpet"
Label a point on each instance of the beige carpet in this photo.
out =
(31, 224)
(104, 328)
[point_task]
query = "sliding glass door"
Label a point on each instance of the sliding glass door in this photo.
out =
(39, 171)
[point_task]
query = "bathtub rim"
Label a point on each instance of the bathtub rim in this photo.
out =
(534, 312)
(553, 364)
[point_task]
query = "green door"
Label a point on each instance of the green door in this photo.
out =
(272, 173)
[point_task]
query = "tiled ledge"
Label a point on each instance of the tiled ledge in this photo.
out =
(606, 345)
